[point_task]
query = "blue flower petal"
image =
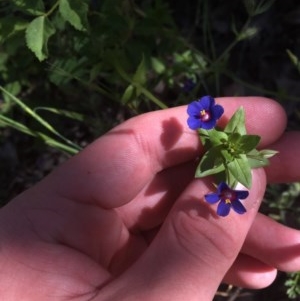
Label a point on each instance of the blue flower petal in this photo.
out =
(217, 111)
(212, 198)
(238, 207)
(222, 186)
(208, 125)
(241, 194)
(223, 208)
(194, 123)
(194, 108)
(207, 102)
(188, 85)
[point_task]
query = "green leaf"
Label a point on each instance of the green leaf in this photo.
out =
(211, 171)
(13, 88)
(158, 65)
(37, 117)
(248, 33)
(228, 157)
(65, 69)
(294, 59)
(240, 169)
(230, 179)
(211, 163)
(268, 153)
(263, 6)
(10, 26)
(139, 76)
(75, 12)
(138, 80)
(256, 160)
(233, 138)
(257, 7)
(5, 121)
(227, 177)
(236, 123)
(213, 137)
(32, 7)
(139, 87)
(38, 33)
(128, 94)
(65, 113)
(260, 158)
(246, 143)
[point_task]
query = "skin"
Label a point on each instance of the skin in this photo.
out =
(125, 219)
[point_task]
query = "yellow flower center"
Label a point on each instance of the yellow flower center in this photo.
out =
(227, 201)
(205, 115)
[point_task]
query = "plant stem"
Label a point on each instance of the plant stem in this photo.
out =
(52, 9)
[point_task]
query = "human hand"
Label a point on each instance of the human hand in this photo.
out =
(126, 220)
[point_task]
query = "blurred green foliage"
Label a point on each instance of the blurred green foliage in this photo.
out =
(99, 57)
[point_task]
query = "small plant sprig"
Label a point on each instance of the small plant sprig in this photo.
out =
(230, 153)
(293, 285)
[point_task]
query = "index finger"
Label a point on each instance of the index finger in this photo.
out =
(114, 169)
(285, 166)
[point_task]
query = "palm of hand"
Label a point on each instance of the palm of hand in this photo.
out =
(92, 219)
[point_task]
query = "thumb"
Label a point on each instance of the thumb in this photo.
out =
(194, 248)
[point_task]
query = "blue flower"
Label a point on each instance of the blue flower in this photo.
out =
(204, 113)
(228, 198)
(188, 85)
